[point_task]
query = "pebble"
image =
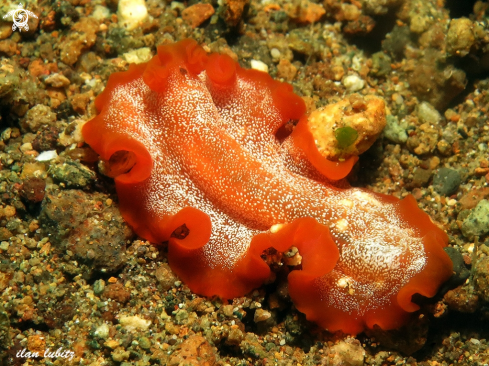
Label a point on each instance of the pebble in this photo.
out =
(132, 323)
(98, 287)
(393, 130)
(259, 65)
(481, 277)
(57, 80)
(353, 83)
(446, 181)
(144, 343)
(460, 36)
(72, 174)
(477, 223)
(138, 56)
(102, 331)
(261, 315)
(197, 14)
(428, 114)
(131, 13)
(47, 155)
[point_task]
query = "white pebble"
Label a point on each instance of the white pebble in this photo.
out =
(138, 56)
(259, 65)
(102, 331)
(131, 13)
(275, 53)
(132, 323)
(353, 83)
(100, 12)
(47, 155)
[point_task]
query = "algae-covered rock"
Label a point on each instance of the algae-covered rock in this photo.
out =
(86, 227)
(477, 223)
(73, 174)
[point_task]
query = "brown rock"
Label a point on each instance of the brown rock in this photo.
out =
(462, 299)
(80, 101)
(81, 38)
(33, 189)
(117, 292)
(8, 47)
(234, 11)
(93, 231)
(37, 68)
(5, 30)
(195, 351)
(197, 14)
(5, 234)
(306, 12)
(472, 198)
(36, 343)
(286, 70)
(165, 276)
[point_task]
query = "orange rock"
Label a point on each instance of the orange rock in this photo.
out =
(36, 343)
(80, 101)
(306, 12)
(8, 47)
(37, 68)
(82, 37)
(197, 14)
(57, 96)
(286, 70)
(472, 198)
(234, 11)
(194, 351)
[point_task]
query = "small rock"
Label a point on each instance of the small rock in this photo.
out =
(197, 14)
(381, 64)
(38, 116)
(473, 197)
(102, 331)
(33, 189)
(165, 276)
(306, 12)
(462, 299)
(233, 11)
(8, 47)
(57, 80)
(393, 130)
(195, 351)
(132, 323)
(259, 65)
(116, 292)
(460, 271)
(82, 36)
(477, 223)
(421, 177)
(119, 354)
(446, 181)
(347, 353)
(353, 83)
(98, 287)
(481, 278)
(74, 221)
(73, 174)
(131, 13)
(144, 343)
(428, 114)
(460, 36)
(261, 315)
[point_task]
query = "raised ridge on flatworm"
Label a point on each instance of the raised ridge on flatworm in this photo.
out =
(212, 179)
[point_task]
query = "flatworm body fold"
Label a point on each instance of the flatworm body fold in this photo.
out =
(210, 177)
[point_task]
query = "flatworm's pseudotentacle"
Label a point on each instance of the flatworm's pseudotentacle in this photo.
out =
(210, 177)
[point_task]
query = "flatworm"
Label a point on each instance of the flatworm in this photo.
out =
(209, 176)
